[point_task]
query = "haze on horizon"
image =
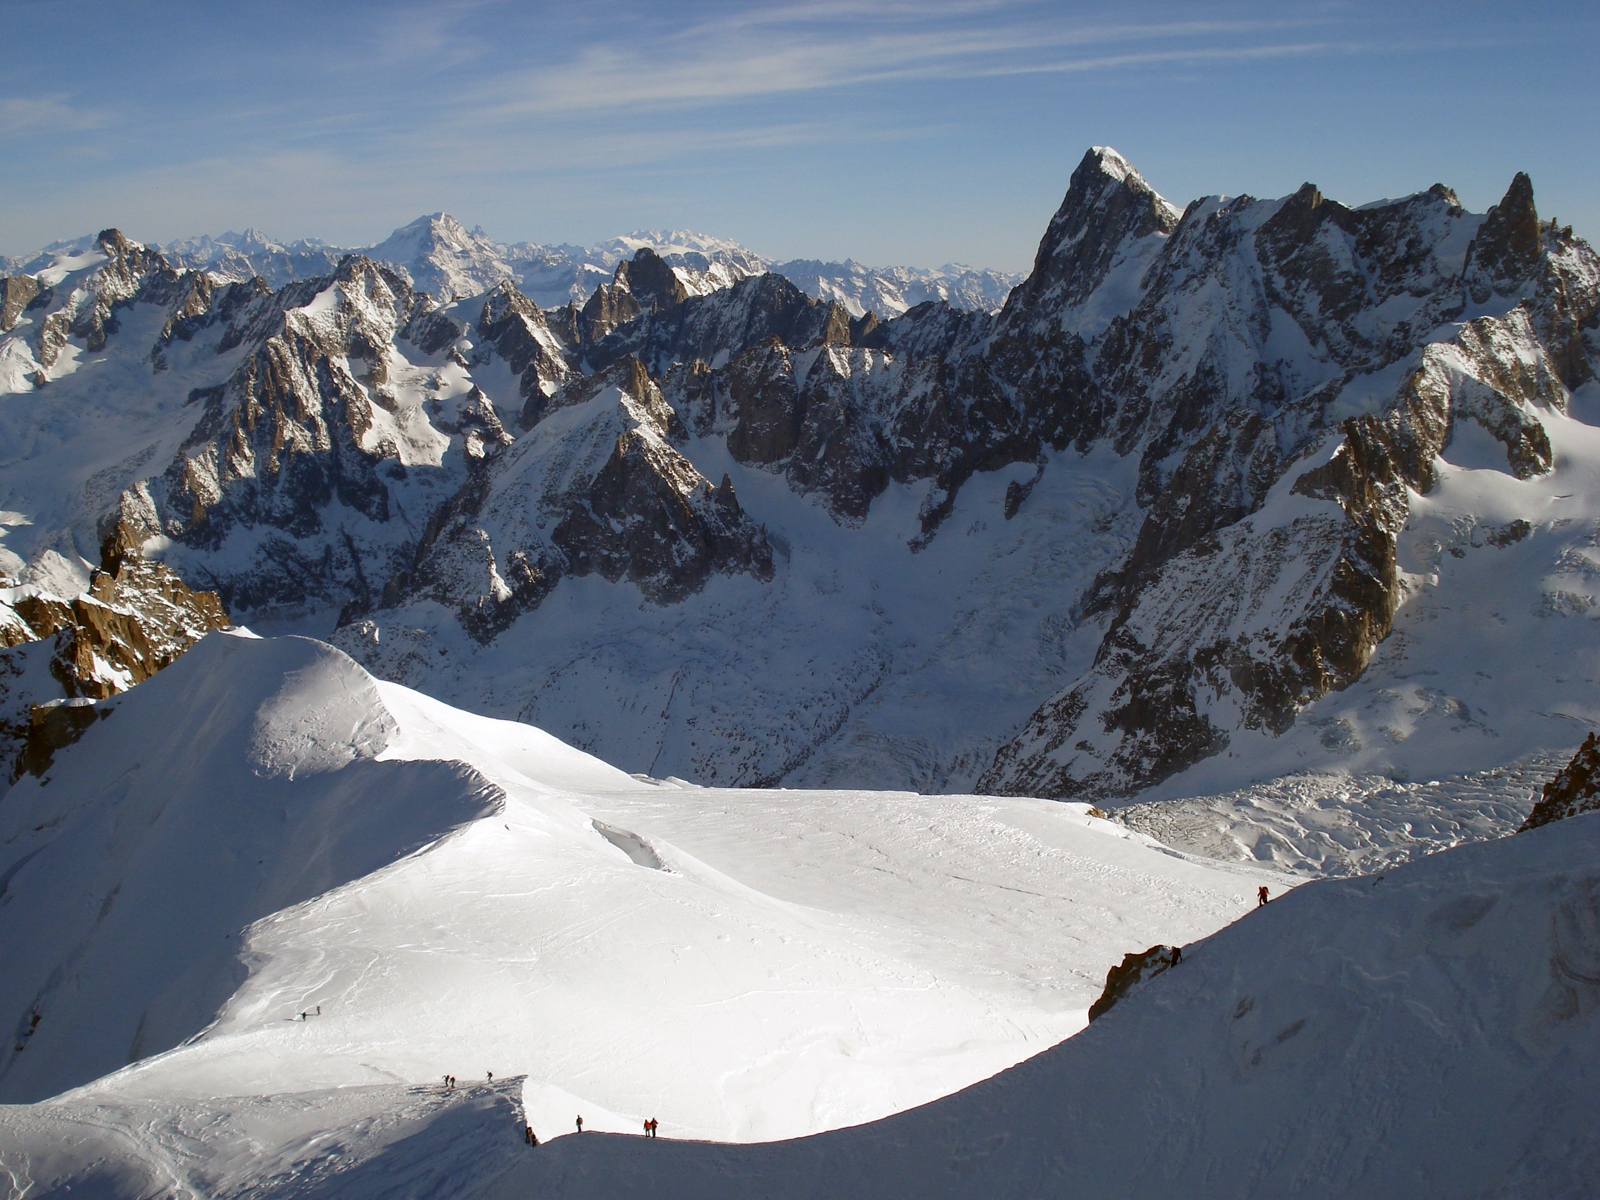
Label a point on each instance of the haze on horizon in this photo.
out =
(916, 133)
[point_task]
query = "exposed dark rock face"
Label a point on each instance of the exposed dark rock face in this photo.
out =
(645, 284)
(806, 413)
(136, 618)
(16, 293)
(1506, 251)
(651, 281)
(649, 517)
(605, 494)
(53, 725)
(1574, 790)
(1133, 970)
(611, 305)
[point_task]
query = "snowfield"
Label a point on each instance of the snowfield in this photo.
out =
(754, 965)
(1430, 1032)
(262, 830)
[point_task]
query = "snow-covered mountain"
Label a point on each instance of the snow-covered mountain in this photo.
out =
(1218, 495)
(438, 254)
(442, 256)
(1430, 1032)
(267, 903)
(242, 256)
(890, 291)
(262, 830)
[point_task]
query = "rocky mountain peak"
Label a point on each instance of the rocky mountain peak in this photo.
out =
(1445, 193)
(651, 280)
(430, 230)
(608, 307)
(1506, 250)
(1108, 206)
(443, 256)
(1302, 208)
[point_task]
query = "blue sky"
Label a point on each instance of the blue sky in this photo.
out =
(920, 133)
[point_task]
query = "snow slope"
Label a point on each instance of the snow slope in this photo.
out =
(263, 829)
(1433, 1031)
(1430, 1032)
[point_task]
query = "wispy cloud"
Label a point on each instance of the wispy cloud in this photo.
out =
(438, 36)
(800, 48)
(1153, 58)
(37, 116)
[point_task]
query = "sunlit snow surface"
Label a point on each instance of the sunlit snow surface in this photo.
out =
(462, 895)
(745, 964)
(1430, 1032)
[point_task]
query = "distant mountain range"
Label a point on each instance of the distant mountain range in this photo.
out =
(1219, 493)
(440, 255)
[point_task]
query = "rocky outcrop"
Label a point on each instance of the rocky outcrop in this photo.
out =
(1575, 788)
(1134, 969)
(16, 293)
(136, 619)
